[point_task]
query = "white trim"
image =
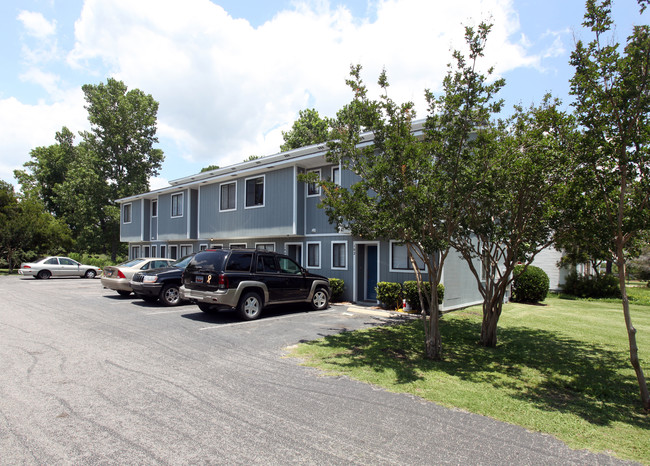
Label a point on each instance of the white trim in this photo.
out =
(164, 256)
(203, 247)
(154, 201)
(263, 176)
(181, 255)
(295, 200)
(272, 243)
(171, 204)
(216, 246)
(142, 238)
(226, 183)
(347, 258)
(154, 250)
(238, 245)
(146, 250)
(320, 255)
(317, 193)
(169, 251)
(336, 167)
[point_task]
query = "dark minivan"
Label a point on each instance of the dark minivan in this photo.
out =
(248, 280)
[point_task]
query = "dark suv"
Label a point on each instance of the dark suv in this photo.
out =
(162, 283)
(248, 280)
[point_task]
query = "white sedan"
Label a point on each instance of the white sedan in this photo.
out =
(54, 266)
(118, 277)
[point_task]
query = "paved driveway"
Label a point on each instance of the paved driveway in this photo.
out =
(87, 377)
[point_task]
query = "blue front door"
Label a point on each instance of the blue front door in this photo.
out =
(371, 272)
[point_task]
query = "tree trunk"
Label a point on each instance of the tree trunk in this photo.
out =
(433, 340)
(631, 335)
(492, 308)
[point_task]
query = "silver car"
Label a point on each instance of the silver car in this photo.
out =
(118, 277)
(55, 266)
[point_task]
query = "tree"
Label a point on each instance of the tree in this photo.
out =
(308, 129)
(209, 168)
(612, 105)
(410, 188)
(520, 167)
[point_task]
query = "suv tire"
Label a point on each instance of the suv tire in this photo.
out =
(170, 295)
(320, 300)
(250, 306)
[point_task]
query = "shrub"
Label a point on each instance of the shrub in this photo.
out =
(412, 297)
(336, 286)
(584, 286)
(389, 294)
(531, 286)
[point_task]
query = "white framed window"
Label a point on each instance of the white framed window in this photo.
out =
(135, 252)
(228, 196)
(216, 246)
(163, 250)
(146, 251)
(340, 255)
(186, 250)
(294, 250)
(313, 189)
(154, 208)
(255, 192)
(126, 213)
(173, 252)
(177, 206)
(238, 246)
(313, 255)
(203, 247)
(336, 175)
(265, 246)
(154, 250)
(399, 261)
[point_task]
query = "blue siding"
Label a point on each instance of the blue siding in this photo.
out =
(131, 231)
(172, 228)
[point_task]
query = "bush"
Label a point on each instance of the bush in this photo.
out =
(389, 294)
(412, 297)
(531, 286)
(336, 286)
(584, 286)
(98, 260)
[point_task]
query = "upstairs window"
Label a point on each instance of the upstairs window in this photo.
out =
(313, 189)
(255, 192)
(228, 197)
(336, 175)
(177, 206)
(126, 213)
(154, 208)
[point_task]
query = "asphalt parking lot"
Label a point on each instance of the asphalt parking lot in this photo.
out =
(88, 377)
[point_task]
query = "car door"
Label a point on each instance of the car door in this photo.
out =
(267, 272)
(294, 279)
(68, 267)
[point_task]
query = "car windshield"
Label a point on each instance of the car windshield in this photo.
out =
(131, 263)
(182, 263)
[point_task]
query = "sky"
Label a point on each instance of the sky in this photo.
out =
(231, 75)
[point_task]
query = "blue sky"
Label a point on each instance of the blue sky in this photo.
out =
(231, 75)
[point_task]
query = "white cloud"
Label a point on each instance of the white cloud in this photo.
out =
(36, 25)
(227, 90)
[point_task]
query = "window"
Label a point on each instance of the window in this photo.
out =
(265, 246)
(154, 208)
(339, 255)
(177, 206)
(399, 260)
(255, 192)
(135, 252)
(289, 266)
(216, 246)
(203, 247)
(228, 198)
(336, 175)
(52, 261)
(153, 251)
(313, 255)
(163, 250)
(66, 261)
(266, 264)
(186, 250)
(173, 252)
(146, 251)
(313, 189)
(240, 262)
(126, 213)
(238, 246)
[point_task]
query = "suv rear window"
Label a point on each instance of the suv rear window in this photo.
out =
(211, 261)
(240, 262)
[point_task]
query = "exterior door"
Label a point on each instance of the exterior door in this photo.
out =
(371, 273)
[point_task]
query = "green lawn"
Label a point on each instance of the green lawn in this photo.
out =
(561, 368)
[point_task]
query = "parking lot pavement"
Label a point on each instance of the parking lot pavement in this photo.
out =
(88, 377)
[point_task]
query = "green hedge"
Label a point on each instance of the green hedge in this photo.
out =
(584, 286)
(531, 286)
(337, 286)
(392, 294)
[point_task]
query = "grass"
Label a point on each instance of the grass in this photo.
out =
(561, 368)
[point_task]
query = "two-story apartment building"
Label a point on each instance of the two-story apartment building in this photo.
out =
(261, 204)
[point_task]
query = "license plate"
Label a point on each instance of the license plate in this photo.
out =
(198, 279)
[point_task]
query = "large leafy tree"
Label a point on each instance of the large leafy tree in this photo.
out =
(612, 104)
(308, 129)
(519, 170)
(412, 187)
